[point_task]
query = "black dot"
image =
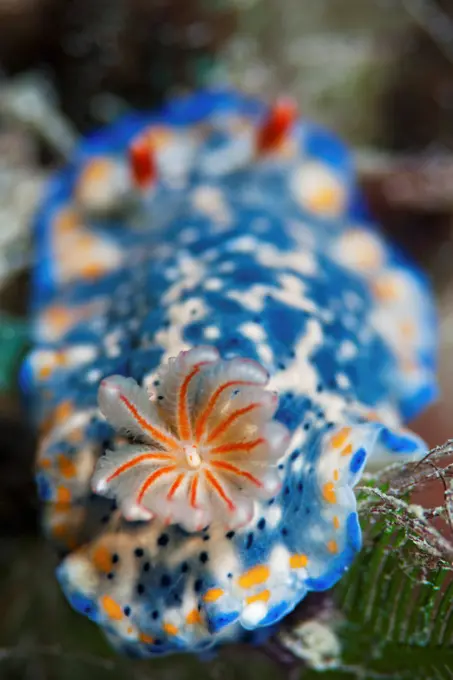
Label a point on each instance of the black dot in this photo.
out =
(127, 611)
(184, 567)
(272, 501)
(140, 589)
(157, 642)
(115, 558)
(156, 383)
(110, 576)
(306, 426)
(198, 585)
(287, 490)
(87, 610)
(284, 532)
(155, 614)
(319, 387)
(229, 575)
(300, 487)
(105, 519)
(281, 466)
(262, 523)
(160, 397)
(165, 581)
(230, 535)
(204, 557)
(163, 539)
(206, 538)
(146, 566)
(281, 366)
(138, 552)
(249, 541)
(295, 455)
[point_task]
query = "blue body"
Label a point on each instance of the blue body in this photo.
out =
(260, 267)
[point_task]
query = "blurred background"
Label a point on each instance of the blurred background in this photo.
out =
(380, 73)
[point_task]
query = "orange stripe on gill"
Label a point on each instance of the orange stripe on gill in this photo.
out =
(237, 471)
(136, 461)
(159, 436)
(202, 420)
(215, 484)
(151, 479)
(225, 424)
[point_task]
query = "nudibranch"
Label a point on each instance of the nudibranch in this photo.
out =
(224, 341)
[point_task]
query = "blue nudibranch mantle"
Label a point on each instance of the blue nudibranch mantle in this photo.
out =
(223, 341)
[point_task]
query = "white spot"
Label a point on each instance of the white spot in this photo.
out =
(213, 284)
(343, 380)
(347, 350)
(212, 332)
(274, 515)
(253, 613)
(189, 235)
(253, 331)
(93, 375)
(227, 267)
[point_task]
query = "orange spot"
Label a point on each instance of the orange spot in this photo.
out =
(129, 630)
(75, 436)
(146, 639)
(263, 596)
(66, 220)
(111, 608)
(326, 199)
(157, 136)
(336, 475)
(44, 463)
(170, 629)
(102, 559)
(336, 522)
(92, 270)
(44, 372)
(62, 412)
(332, 547)
(194, 617)
(298, 561)
(340, 437)
(385, 289)
(213, 595)
(408, 329)
(66, 467)
(254, 576)
(347, 450)
(63, 495)
(96, 170)
(328, 492)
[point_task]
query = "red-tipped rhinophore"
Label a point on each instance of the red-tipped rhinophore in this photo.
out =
(276, 126)
(142, 163)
